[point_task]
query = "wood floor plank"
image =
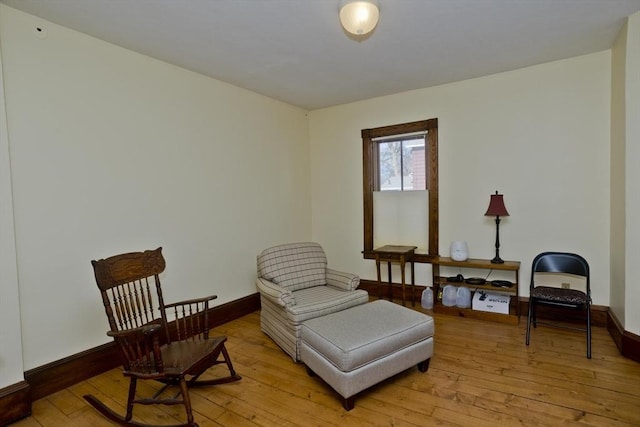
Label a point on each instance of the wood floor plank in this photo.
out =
(481, 374)
(47, 414)
(66, 401)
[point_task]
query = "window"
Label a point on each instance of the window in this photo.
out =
(401, 157)
(401, 163)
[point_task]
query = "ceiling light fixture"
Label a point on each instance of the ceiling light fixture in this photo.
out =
(359, 17)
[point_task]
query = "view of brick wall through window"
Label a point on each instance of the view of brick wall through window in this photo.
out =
(418, 168)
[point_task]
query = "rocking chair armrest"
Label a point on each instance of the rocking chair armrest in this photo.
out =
(140, 350)
(145, 330)
(191, 301)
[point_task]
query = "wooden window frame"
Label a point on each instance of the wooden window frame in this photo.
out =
(371, 175)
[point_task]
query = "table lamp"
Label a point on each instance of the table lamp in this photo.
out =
(497, 209)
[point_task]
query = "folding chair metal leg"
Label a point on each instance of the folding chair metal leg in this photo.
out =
(588, 331)
(529, 316)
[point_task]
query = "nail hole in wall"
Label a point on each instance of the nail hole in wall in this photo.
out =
(40, 32)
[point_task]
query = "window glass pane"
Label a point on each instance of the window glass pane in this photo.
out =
(402, 165)
(416, 178)
(390, 165)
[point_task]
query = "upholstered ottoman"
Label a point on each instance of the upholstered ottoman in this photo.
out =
(352, 350)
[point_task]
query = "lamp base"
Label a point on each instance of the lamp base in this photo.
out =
(497, 260)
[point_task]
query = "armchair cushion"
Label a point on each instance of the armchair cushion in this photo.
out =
(322, 300)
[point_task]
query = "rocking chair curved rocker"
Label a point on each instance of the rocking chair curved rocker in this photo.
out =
(174, 353)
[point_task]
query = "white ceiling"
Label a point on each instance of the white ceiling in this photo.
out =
(297, 52)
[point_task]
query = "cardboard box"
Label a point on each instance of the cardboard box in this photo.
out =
(490, 301)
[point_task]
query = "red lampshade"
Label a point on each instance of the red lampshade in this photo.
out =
(496, 206)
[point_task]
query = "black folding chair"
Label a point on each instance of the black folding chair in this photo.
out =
(562, 263)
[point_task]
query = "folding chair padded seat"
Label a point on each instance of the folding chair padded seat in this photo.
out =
(559, 296)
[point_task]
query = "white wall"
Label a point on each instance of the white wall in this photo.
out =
(632, 159)
(618, 176)
(625, 175)
(11, 367)
(111, 152)
(539, 135)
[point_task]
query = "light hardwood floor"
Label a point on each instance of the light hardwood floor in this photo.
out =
(481, 374)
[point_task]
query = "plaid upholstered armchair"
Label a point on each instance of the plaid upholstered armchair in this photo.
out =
(295, 285)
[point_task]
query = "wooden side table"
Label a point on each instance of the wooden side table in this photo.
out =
(401, 255)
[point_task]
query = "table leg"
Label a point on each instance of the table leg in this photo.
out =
(402, 276)
(379, 276)
(413, 285)
(518, 294)
(390, 281)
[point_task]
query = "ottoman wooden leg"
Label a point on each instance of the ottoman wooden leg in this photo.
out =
(348, 403)
(423, 366)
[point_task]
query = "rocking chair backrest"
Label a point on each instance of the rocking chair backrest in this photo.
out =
(129, 284)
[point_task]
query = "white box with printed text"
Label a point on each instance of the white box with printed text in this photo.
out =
(490, 301)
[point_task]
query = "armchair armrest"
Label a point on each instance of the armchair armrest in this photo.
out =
(275, 293)
(342, 280)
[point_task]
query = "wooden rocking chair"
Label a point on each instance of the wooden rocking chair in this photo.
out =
(175, 353)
